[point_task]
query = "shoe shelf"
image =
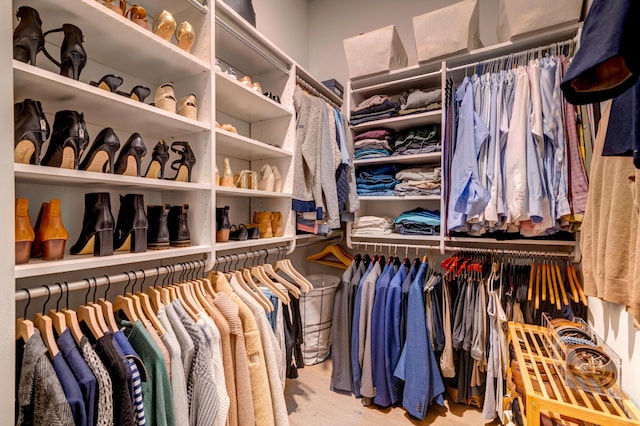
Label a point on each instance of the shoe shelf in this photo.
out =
(241, 192)
(428, 158)
(401, 122)
(236, 99)
(58, 93)
(234, 145)
(92, 181)
(37, 267)
(400, 198)
(113, 40)
(249, 244)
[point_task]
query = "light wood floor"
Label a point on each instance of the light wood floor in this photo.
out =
(311, 403)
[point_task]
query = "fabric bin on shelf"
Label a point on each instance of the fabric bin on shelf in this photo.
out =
(375, 52)
(451, 29)
(518, 18)
(316, 310)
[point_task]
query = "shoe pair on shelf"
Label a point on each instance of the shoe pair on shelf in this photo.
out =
(228, 127)
(28, 41)
(111, 82)
(49, 237)
(165, 99)
(269, 179)
(269, 224)
(225, 231)
(165, 26)
(135, 13)
(183, 165)
(246, 80)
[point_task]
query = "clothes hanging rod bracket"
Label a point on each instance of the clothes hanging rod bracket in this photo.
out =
(201, 7)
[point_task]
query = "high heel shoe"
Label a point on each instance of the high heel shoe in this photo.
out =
(138, 93)
(130, 157)
(179, 235)
(31, 130)
(187, 107)
(101, 153)
(119, 8)
(165, 97)
(159, 158)
(138, 15)
(186, 36)
(97, 226)
(158, 231)
(69, 138)
(109, 82)
(184, 165)
(51, 235)
(73, 57)
(164, 25)
(24, 234)
(131, 228)
(28, 39)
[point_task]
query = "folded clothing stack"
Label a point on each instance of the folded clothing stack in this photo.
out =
(377, 107)
(417, 140)
(418, 221)
(416, 101)
(372, 144)
(372, 225)
(419, 181)
(377, 181)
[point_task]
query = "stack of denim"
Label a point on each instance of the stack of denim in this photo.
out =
(372, 144)
(418, 221)
(376, 107)
(378, 181)
(418, 140)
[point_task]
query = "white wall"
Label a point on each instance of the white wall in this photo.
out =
(285, 23)
(331, 21)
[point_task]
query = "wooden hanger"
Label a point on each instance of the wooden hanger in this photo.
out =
(259, 273)
(154, 293)
(107, 308)
(125, 304)
(335, 250)
(537, 298)
(71, 318)
(24, 326)
(572, 285)
(87, 315)
(531, 280)
(44, 324)
(245, 279)
(99, 313)
(295, 291)
(57, 317)
(147, 310)
(565, 300)
(583, 297)
(285, 266)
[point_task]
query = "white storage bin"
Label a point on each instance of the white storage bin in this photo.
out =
(375, 52)
(316, 312)
(517, 18)
(449, 30)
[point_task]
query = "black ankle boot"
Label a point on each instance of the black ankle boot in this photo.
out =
(100, 156)
(131, 227)
(134, 150)
(97, 226)
(69, 138)
(222, 224)
(158, 231)
(179, 235)
(28, 39)
(31, 130)
(73, 57)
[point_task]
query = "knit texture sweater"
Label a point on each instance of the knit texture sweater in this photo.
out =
(105, 397)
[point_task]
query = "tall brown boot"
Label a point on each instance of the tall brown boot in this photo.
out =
(24, 234)
(263, 220)
(276, 224)
(51, 235)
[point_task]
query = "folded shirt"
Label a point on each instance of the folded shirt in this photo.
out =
(416, 229)
(372, 143)
(371, 153)
(405, 189)
(431, 107)
(373, 134)
(372, 117)
(371, 101)
(417, 98)
(385, 105)
(417, 149)
(429, 134)
(372, 225)
(420, 173)
(419, 215)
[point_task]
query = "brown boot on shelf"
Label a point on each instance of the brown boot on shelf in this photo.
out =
(276, 224)
(263, 220)
(51, 235)
(23, 231)
(223, 225)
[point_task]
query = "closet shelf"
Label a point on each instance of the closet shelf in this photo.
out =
(236, 99)
(241, 192)
(431, 157)
(99, 106)
(250, 244)
(116, 41)
(400, 198)
(401, 122)
(43, 175)
(425, 81)
(70, 263)
(399, 238)
(238, 146)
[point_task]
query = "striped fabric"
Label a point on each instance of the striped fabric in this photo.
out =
(138, 405)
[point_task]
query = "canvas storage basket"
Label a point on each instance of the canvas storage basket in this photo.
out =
(375, 52)
(449, 30)
(517, 18)
(316, 310)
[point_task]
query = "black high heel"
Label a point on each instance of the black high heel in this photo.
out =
(138, 93)
(109, 82)
(97, 226)
(101, 152)
(28, 39)
(73, 57)
(69, 138)
(184, 164)
(130, 157)
(31, 130)
(159, 158)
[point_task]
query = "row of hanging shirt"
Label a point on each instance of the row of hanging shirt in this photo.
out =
(403, 332)
(516, 151)
(202, 351)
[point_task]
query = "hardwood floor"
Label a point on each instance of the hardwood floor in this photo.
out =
(311, 403)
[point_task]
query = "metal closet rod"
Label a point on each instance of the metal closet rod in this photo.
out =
(201, 7)
(315, 92)
(45, 290)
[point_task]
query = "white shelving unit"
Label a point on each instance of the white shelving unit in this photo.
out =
(429, 158)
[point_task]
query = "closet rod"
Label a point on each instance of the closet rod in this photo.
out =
(201, 7)
(509, 252)
(42, 291)
(315, 92)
